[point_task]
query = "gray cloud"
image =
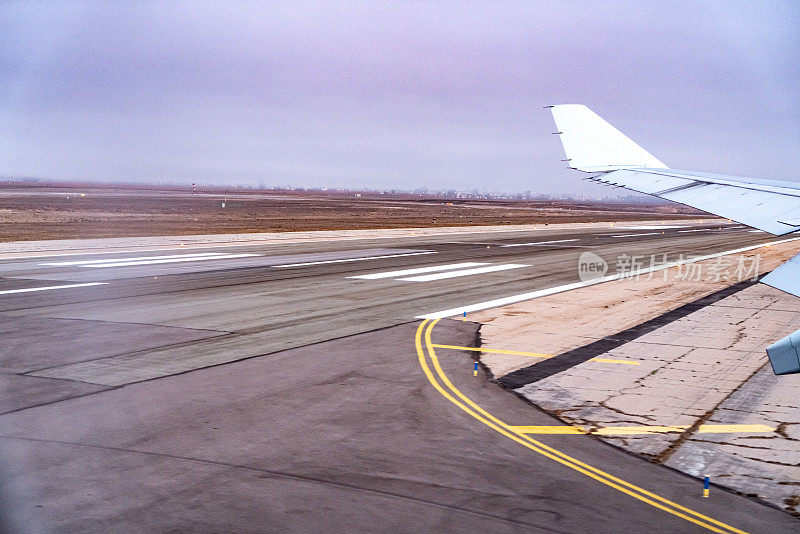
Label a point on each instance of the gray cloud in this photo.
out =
(439, 95)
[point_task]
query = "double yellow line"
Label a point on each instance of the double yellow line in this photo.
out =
(451, 393)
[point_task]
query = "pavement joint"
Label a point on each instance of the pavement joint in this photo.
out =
(664, 455)
(283, 474)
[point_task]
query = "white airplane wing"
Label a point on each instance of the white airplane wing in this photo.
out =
(774, 209)
(592, 145)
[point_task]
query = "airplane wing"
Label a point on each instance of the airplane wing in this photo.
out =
(773, 209)
(592, 145)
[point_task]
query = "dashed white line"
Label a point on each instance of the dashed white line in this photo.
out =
(539, 243)
(170, 260)
(469, 243)
(650, 227)
(274, 241)
(637, 235)
(140, 258)
(420, 270)
(353, 259)
(465, 272)
(48, 288)
(577, 285)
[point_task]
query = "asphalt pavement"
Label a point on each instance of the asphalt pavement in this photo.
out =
(279, 388)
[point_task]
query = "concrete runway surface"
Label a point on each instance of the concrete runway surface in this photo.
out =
(282, 388)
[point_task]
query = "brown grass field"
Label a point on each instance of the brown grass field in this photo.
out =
(57, 211)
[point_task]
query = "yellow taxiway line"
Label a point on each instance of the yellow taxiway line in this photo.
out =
(451, 393)
(495, 351)
(640, 430)
(531, 354)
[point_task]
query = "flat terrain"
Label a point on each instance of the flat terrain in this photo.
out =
(285, 386)
(60, 212)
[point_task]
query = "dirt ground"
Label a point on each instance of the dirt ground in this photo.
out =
(56, 211)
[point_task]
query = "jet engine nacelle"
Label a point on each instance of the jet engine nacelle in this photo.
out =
(784, 355)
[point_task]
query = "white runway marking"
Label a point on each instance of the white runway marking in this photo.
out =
(168, 260)
(757, 231)
(420, 233)
(539, 243)
(465, 272)
(636, 235)
(577, 285)
(650, 227)
(353, 259)
(420, 270)
(469, 243)
(47, 288)
(701, 230)
(140, 258)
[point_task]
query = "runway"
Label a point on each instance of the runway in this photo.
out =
(278, 387)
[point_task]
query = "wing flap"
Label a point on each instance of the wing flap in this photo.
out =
(645, 183)
(786, 277)
(775, 210)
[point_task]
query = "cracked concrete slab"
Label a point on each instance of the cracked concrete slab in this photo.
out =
(708, 367)
(558, 323)
(763, 465)
(705, 367)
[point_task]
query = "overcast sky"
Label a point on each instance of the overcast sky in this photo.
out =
(391, 95)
